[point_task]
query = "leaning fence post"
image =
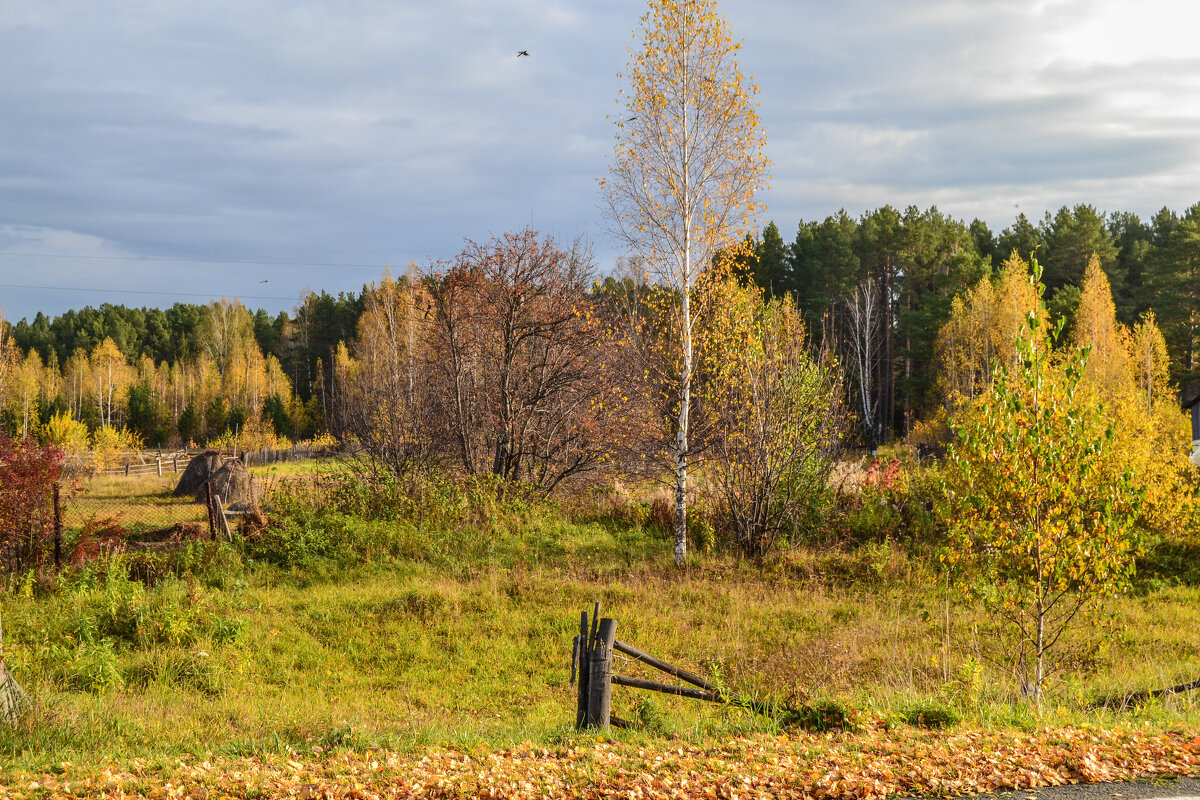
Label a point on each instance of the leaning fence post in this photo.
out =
(600, 679)
(224, 524)
(57, 529)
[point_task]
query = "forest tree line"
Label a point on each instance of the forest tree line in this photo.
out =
(873, 290)
(882, 285)
(186, 374)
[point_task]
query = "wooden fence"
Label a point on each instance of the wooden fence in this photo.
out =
(131, 463)
(278, 455)
(591, 666)
(154, 462)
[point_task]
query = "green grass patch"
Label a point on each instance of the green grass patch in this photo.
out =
(446, 613)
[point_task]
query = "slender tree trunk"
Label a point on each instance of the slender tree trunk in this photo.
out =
(685, 378)
(681, 436)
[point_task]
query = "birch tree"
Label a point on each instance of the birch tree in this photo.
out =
(1042, 502)
(865, 333)
(687, 164)
(8, 362)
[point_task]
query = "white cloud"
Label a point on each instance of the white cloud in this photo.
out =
(372, 132)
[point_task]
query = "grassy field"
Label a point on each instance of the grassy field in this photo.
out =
(456, 626)
(134, 503)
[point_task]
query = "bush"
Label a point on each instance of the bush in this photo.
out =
(28, 473)
(777, 417)
(929, 713)
(348, 518)
(1043, 506)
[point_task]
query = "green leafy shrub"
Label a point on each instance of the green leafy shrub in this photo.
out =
(929, 713)
(1043, 506)
(90, 666)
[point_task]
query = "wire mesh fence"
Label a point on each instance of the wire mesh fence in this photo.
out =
(142, 463)
(134, 505)
(150, 508)
(137, 496)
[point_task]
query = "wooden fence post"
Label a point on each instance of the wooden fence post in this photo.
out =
(158, 461)
(600, 679)
(583, 668)
(219, 512)
(57, 529)
(212, 519)
(175, 463)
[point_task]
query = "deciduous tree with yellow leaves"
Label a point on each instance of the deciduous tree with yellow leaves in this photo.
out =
(687, 165)
(1042, 504)
(1128, 371)
(776, 414)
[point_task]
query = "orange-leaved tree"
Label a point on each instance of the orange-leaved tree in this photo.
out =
(387, 399)
(687, 165)
(519, 361)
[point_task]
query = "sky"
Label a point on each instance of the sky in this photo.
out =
(161, 151)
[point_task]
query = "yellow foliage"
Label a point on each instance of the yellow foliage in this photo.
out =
(67, 434)
(109, 445)
(984, 321)
(1096, 328)
(1128, 371)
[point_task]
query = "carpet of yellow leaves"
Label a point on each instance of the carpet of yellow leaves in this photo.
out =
(873, 763)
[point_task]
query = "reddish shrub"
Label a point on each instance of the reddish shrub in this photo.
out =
(99, 535)
(28, 473)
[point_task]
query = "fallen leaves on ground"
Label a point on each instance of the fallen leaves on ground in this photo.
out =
(874, 763)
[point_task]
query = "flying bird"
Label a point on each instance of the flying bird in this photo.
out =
(631, 119)
(522, 53)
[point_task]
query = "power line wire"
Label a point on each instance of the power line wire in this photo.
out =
(80, 257)
(142, 291)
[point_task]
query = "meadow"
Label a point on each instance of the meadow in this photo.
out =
(401, 616)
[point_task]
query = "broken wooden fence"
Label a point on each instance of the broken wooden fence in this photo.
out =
(592, 671)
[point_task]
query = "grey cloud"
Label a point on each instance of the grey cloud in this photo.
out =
(378, 132)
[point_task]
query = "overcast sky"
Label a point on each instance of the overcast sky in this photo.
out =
(145, 146)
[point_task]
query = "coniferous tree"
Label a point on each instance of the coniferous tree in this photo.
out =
(1173, 281)
(1072, 237)
(824, 270)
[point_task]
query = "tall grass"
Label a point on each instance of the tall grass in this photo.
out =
(400, 614)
